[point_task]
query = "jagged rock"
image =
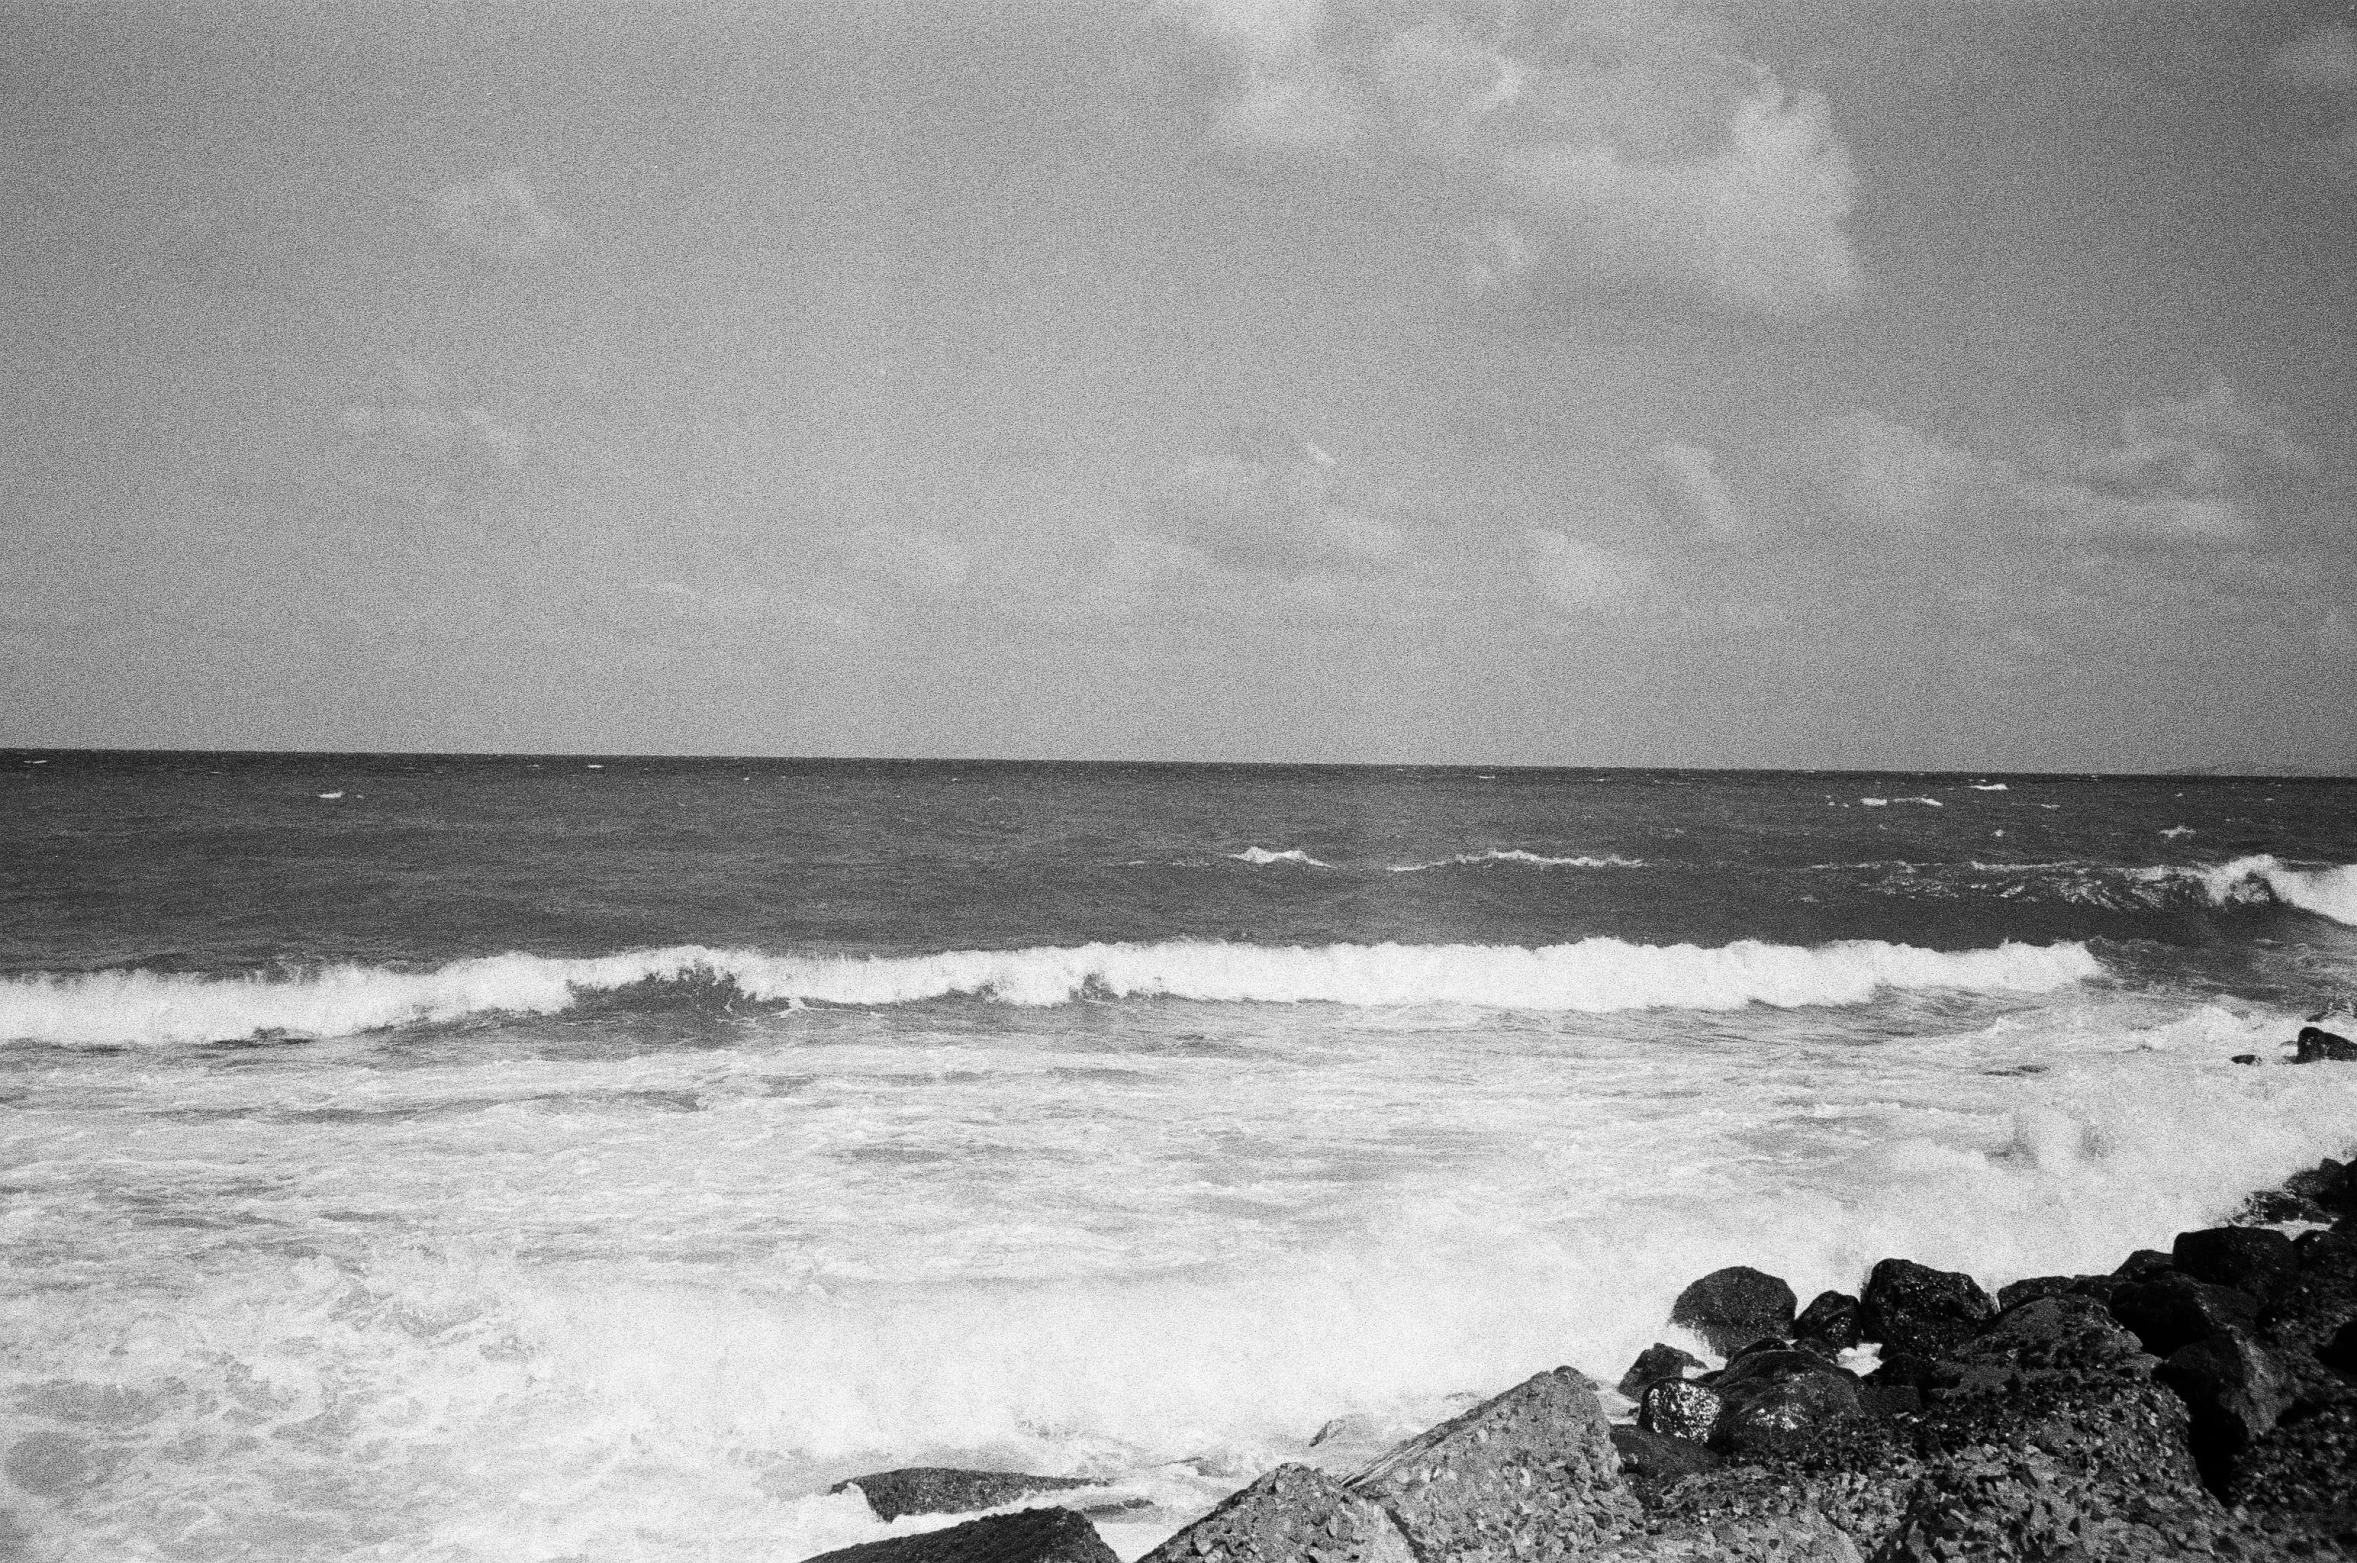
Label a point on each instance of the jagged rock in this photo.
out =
(1528, 1477)
(1651, 1461)
(1680, 1408)
(2302, 1476)
(942, 1489)
(1654, 1363)
(1805, 1537)
(1784, 1407)
(2305, 1314)
(2016, 1293)
(1288, 1516)
(1914, 1308)
(2142, 1261)
(2057, 1331)
(2168, 1310)
(2315, 1044)
(1031, 1536)
(1735, 1306)
(2329, 1184)
(1831, 1317)
(2236, 1390)
(1886, 1401)
(1922, 1373)
(1765, 1343)
(2250, 1259)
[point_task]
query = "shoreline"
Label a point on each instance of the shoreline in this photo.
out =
(2197, 1402)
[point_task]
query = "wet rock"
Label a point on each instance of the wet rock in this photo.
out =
(2168, 1310)
(1754, 1348)
(1732, 1307)
(2236, 1390)
(941, 1489)
(2302, 1476)
(2328, 1184)
(1653, 1461)
(2053, 1332)
(1915, 1372)
(2022, 1291)
(1032, 1536)
(1528, 1477)
(2142, 1262)
(2244, 1058)
(1293, 1513)
(1655, 1363)
(2315, 1044)
(1914, 1308)
(1831, 1317)
(2250, 1259)
(1680, 1409)
(1783, 1412)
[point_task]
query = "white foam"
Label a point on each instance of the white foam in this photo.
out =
(1595, 976)
(2329, 891)
(1986, 786)
(1517, 855)
(1261, 856)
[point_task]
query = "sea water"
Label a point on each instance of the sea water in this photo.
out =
(515, 1159)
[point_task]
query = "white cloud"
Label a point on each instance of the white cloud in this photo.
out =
(2324, 58)
(1578, 574)
(1697, 493)
(1621, 144)
(426, 418)
(500, 218)
(1277, 503)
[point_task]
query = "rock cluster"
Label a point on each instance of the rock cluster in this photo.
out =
(2199, 1402)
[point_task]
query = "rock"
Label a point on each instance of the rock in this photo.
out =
(1678, 1408)
(1652, 1461)
(942, 1489)
(1032, 1536)
(2022, 1291)
(2328, 1184)
(2244, 1058)
(1889, 1400)
(1784, 1412)
(1920, 1373)
(2059, 1331)
(2235, 1388)
(1805, 1537)
(2168, 1310)
(2142, 1261)
(1654, 1363)
(1291, 1514)
(1734, 1306)
(2340, 1353)
(1528, 1477)
(1831, 1317)
(1914, 1308)
(1754, 1348)
(2250, 1259)
(1774, 1362)
(2315, 1044)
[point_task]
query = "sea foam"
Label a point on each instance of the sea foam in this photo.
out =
(2329, 892)
(1596, 976)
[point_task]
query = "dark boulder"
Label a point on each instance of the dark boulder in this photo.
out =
(2236, 1390)
(2061, 1331)
(2250, 1259)
(942, 1489)
(2022, 1291)
(1655, 1363)
(1732, 1307)
(1292, 1513)
(1774, 1362)
(2244, 1058)
(1680, 1408)
(2315, 1045)
(2168, 1310)
(2328, 1184)
(1031, 1536)
(2340, 1353)
(1914, 1308)
(2141, 1262)
(1831, 1317)
(1924, 1374)
(1652, 1461)
(1778, 1402)
(1530, 1475)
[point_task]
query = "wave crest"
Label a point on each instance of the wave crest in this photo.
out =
(1597, 975)
(1517, 855)
(2329, 892)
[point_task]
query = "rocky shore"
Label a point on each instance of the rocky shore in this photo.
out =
(2190, 1403)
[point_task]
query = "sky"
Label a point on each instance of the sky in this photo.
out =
(1959, 384)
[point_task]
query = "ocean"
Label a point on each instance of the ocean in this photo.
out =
(561, 1158)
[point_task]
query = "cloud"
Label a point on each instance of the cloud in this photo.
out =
(1276, 503)
(2322, 62)
(1623, 145)
(498, 219)
(1585, 576)
(1696, 493)
(423, 422)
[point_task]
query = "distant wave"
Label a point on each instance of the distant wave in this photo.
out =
(1262, 855)
(1594, 975)
(1517, 855)
(1884, 803)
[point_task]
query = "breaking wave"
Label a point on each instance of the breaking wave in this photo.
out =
(2329, 892)
(1259, 856)
(1517, 855)
(1598, 975)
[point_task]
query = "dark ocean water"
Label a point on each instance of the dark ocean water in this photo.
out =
(507, 1158)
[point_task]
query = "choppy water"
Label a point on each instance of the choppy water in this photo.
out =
(525, 1160)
